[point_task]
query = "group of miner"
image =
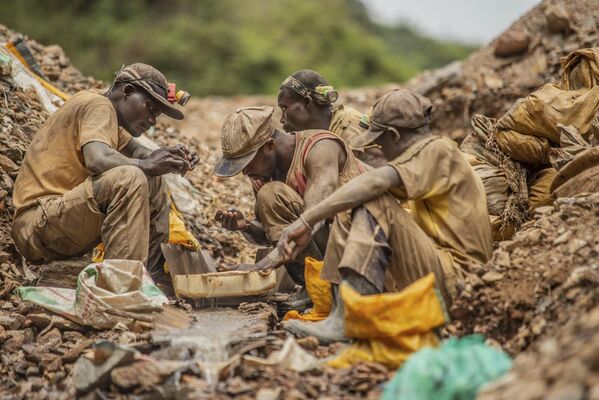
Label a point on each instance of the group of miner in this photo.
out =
(378, 198)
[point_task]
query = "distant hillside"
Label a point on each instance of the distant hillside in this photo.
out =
(228, 47)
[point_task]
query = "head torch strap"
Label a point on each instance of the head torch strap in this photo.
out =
(322, 95)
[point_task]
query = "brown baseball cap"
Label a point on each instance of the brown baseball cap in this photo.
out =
(400, 108)
(242, 134)
(153, 82)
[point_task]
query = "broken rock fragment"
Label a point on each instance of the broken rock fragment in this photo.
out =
(512, 43)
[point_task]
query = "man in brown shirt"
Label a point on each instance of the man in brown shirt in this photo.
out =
(84, 178)
(447, 232)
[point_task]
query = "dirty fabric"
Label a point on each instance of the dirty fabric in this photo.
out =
(114, 206)
(54, 162)
(539, 113)
(586, 181)
(447, 201)
(107, 293)
(524, 148)
(580, 69)
(539, 193)
(413, 253)
(319, 292)
(390, 327)
(345, 122)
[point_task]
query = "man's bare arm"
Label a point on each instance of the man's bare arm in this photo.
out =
(322, 164)
(356, 192)
(134, 149)
(99, 158)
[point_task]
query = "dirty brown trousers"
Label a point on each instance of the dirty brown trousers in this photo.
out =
(121, 207)
(277, 206)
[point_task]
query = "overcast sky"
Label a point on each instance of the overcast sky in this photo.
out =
(475, 21)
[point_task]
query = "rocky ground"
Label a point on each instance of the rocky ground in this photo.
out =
(537, 298)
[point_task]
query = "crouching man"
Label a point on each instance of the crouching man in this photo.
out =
(297, 170)
(384, 248)
(85, 179)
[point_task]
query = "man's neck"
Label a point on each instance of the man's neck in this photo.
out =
(408, 140)
(323, 120)
(284, 150)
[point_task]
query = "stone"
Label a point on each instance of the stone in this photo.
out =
(543, 210)
(512, 43)
(12, 322)
(74, 353)
(566, 391)
(90, 374)
(268, 394)
(144, 374)
(563, 238)
(502, 258)
(8, 166)
(532, 390)
(492, 276)
(575, 245)
(558, 20)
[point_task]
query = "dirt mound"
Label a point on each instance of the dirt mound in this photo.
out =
(536, 282)
(565, 366)
(487, 84)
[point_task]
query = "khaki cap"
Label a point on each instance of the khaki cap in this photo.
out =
(400, 108)
(153, 82)
(242, 134)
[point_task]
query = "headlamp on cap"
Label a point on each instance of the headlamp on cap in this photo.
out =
(172, 95)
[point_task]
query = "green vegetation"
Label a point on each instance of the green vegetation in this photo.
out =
(228, 47)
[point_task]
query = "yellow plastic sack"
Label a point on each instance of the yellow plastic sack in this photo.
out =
(539, 193)
(389, 327)
(539, 113)
(177, 234)
(580, 69)
(319, 292)
(524, 148)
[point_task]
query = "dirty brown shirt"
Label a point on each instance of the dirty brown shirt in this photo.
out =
(447, 200)
(345, 122)
(54, 163)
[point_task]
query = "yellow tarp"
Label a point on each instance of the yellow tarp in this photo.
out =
(389, 327)
(319, 291)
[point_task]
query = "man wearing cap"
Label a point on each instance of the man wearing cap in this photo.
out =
(447, 232)
(85, 179)
(299, 169)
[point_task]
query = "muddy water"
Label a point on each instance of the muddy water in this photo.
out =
(211, 337)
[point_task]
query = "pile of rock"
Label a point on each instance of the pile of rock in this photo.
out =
(538, 280)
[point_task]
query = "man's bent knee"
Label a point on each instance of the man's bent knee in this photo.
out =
(276, 195)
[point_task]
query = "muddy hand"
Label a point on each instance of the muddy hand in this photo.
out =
(231, 219)
(293, 240)
(191, 156)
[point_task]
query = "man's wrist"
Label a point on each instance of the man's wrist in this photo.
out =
(247, 226)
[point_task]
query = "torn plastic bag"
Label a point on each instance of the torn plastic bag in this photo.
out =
(454, 371)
